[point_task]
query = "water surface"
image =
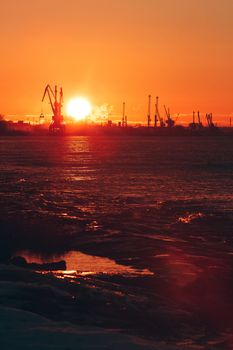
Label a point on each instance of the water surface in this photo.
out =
(162, 205)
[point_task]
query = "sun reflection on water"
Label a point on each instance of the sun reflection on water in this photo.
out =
(80, 264)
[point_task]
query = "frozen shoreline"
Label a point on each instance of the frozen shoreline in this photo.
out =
(43, 312)
(21, 329)
(25, 330)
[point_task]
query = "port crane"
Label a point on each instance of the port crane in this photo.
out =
(170, 122)
(57, 125)
(196, 125)
(209, 118)
(157, 114)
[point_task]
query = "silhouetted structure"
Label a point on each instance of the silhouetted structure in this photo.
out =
(196, 125)
(148, 115)
(124, 118)
(57, 125)
(158, 117)
(209, 118)
(169, 121)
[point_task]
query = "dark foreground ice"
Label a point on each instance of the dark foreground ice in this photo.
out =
(145, 228)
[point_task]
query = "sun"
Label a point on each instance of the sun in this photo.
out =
(78, 108)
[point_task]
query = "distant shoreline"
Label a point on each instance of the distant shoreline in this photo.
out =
(119, 132)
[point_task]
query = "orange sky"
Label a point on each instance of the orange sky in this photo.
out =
(116, 50)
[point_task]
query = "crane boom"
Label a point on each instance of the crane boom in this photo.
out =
(49, 91)
(158, 113)
(157, 107)
(166, 111)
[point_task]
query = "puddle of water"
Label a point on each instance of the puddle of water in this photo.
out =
(84, 264)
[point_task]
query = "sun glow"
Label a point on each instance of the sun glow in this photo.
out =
(79, 108)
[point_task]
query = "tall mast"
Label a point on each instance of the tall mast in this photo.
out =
(123, 115)
(148, 115)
